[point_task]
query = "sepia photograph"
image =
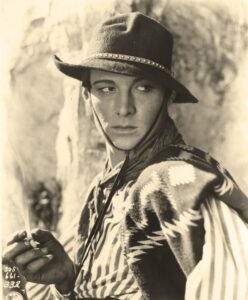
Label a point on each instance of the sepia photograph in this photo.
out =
(124, 141)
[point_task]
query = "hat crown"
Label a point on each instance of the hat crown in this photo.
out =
(131, 44)
(133, 34)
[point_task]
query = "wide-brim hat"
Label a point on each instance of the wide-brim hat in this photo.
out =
(130, 44)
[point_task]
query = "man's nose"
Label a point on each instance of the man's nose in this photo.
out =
(124, 104)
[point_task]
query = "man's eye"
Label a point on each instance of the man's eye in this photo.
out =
(144, 88)
(106, 89)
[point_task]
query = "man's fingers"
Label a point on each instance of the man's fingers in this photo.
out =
(39, 263)
(14, 249)
(42, 236)
(17, 237)
(28, 256)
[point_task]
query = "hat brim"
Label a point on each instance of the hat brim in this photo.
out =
(77, 71)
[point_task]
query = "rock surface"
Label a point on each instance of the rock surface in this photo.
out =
(210, 57)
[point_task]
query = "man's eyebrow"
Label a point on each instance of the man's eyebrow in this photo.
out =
(109, 81)
(137, 79)
(102, 81)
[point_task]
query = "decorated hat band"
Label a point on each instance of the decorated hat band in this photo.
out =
(128, 58)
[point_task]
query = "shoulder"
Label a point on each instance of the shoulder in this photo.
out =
(182, 165)
(183, 176)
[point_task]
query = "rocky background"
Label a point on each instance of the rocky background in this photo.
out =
(53, 150)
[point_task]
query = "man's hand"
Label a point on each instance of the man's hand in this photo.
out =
(48, 263)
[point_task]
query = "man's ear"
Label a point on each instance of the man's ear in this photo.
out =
(86, 96)
(85, 93)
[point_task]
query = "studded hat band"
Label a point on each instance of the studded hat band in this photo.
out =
(125, 57)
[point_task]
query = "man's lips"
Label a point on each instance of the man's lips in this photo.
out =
(126, 128)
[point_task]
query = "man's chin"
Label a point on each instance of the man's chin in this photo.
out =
(125, 145)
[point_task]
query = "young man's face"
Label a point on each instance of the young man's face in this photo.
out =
(126, 106)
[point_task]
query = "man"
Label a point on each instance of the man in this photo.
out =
(154, 220)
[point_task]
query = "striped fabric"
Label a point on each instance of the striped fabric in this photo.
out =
(106, 272)
(223, 271)
(222, 274)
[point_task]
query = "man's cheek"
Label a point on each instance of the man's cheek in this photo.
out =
(103, 120)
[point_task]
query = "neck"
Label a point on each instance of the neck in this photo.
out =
(115, 156)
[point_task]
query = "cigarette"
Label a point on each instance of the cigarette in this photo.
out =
(31, 241)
